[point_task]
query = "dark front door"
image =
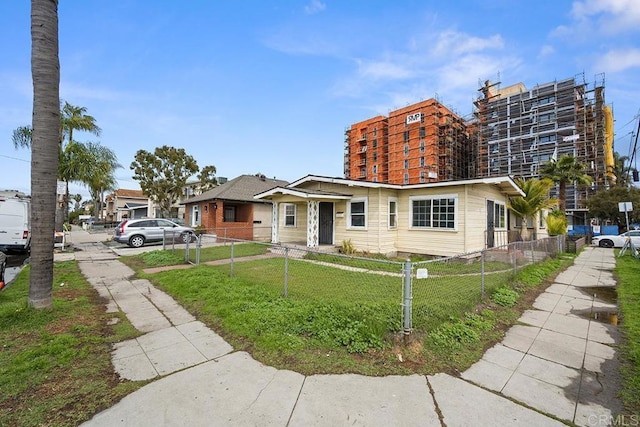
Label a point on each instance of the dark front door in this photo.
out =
(491, 226)
(325, 236)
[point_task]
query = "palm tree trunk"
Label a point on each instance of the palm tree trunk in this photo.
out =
(562, 196)
(45, 69)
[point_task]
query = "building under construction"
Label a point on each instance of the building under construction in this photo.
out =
(520, 130)
(421, 143)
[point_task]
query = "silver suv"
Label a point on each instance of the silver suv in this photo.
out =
(137, 232)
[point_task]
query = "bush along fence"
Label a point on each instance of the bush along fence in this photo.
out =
(408, 294)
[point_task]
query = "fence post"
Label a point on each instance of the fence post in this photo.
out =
(482, 273)
(533, 258)
(286, 272)
(187, 258)
(407, 298)
(514, 251)
(231, 272)
(198, 247)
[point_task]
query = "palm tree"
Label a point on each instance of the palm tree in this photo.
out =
(565, 170)
(45, 140)
(536, 199)
(620, 171)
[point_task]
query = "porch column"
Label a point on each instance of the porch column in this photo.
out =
(274, 222)
(313, 208)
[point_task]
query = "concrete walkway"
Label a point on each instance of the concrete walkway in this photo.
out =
(558, 363)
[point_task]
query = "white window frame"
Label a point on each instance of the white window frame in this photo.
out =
(499, 220)
(392, 218)
(413, 199)
(350, 226)
(286, 215)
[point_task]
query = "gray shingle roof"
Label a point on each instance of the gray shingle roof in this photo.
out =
(242, 188)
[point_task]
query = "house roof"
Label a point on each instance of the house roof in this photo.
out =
(241, 188)
(505, 183)
(131, 194)
(130, 205)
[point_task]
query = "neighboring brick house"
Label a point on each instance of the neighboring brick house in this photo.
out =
(123, 203)
(229, 210)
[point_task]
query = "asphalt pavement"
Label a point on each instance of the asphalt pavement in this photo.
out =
(558, 365)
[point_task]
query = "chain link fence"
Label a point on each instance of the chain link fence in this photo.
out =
(413, 294)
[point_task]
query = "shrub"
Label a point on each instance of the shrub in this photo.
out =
(556, 223)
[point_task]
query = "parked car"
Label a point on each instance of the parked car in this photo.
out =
(137, 232)
(612, 241)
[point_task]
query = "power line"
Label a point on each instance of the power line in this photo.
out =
(15, 158)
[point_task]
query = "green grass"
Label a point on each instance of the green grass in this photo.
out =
(335, 321)
(55, 365)
(162, 258)
(627, 272)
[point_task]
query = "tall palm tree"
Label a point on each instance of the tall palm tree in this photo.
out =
(45, 139)
(536, 199)
(565, 170)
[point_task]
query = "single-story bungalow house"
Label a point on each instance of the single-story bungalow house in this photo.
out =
(124, 203)
(443, 218)
(230, 210)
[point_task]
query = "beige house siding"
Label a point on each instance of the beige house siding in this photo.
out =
(467, 235)
(262, 222)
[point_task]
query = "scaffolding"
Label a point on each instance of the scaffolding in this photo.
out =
(421, 143)
(520, 130)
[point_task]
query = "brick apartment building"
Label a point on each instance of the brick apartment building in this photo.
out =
(421, 143)
(514, 132)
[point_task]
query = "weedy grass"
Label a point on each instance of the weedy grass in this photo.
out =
(55, 365)
(627, 271)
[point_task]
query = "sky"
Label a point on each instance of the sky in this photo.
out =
(270, 86)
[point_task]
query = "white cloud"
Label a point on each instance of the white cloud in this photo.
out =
(608, 16)
(452, 42)
(314, 7)
(619, 60)
(384, 69)
(546, 50)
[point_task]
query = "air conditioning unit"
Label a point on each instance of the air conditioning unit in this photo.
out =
(433, 174)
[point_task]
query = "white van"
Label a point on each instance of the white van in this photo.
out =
(15, 221)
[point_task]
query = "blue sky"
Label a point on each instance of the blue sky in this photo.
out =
(270, 87)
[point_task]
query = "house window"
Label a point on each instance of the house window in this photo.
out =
(429, 212)
(375, 169)
(499, 215)
(406, 164)
(406, 178)
(421, 162)
(375, 143)
(393, 212)
(229, 213)
(375, 157)
(423, 132)
(357, 213)
(289, 215)
(406, 135)
(406, 150)
(422, 146)
(422, 176)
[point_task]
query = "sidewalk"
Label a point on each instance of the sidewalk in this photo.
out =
(558, 363)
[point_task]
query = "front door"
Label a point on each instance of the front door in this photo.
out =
(325, 220)
(491, 225)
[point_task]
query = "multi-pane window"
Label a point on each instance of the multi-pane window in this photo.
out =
(375, 169)
(393, 213)
(433, 212)
(406, 164)
(421, 162)
(499, 216)
(358, 213)
(422, 146)
(406, 178)
(229, 213)
(422, 176)
(406, 150)
(423, 132)
(406, 135)
(289, 215)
